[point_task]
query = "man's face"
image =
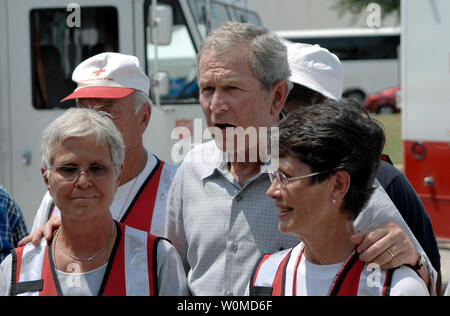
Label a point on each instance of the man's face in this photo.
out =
(298, 97)
(230, 94)
(124, 116)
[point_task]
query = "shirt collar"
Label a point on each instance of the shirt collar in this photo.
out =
(218, 162)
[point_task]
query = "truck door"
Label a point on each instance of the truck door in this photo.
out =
(46, 41)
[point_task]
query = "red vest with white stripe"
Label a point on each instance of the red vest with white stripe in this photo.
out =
(140, 212)
(269, 277)
(130, 271)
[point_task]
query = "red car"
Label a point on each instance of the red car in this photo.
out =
(384, 102)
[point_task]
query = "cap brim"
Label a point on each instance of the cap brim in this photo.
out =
(313, 85)
(99, 93)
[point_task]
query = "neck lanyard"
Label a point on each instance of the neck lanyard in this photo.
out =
(336, 278)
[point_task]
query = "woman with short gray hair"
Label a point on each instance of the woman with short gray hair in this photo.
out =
(90, 253)
(82, 123)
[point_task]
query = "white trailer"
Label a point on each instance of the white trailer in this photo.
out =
(42, 41)
(425, 105)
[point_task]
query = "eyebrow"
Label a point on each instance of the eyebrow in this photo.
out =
(221, 81)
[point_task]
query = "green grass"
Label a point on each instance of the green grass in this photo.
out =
(393, 129)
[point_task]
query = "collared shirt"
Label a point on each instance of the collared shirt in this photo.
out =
(12, 224)
(221, 229)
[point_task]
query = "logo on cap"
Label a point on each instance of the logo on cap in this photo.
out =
(98, 72)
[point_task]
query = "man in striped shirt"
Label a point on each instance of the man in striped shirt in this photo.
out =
(12, 224)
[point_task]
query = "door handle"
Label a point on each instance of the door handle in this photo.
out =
(26, 158)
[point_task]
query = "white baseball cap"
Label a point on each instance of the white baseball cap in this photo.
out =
(316, 68)
(109, 76)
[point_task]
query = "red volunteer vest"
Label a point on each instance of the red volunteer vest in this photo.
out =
(345, 284)
(114, 280)
(140, 212)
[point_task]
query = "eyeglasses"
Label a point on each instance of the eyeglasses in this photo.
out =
(94, 171)
(283, 179)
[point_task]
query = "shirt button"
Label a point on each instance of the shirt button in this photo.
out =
(229, 293)
(238, 198)
(234, 247)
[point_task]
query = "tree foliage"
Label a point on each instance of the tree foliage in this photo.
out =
(356, 7)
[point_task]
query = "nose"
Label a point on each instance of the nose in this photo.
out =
(274, 191)
(82, 180)
(218, 102)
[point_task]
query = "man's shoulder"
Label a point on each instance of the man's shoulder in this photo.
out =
(3, 192)
(200, 149)
(203, 155)
(406, 282)
(5, 197)
(388, 176)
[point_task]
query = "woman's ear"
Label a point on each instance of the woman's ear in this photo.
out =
(46, 175)
(340, 186)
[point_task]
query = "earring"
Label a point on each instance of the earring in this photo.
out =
(334, 201)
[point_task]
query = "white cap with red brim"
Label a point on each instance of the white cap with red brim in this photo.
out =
(109, 76)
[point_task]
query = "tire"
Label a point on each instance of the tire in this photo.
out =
(385, 109)
(356, 95)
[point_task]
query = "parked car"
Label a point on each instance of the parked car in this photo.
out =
(384, 102)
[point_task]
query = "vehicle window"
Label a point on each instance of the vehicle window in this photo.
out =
(177, 59)
(358, 48)
(220, 13)
(57, 49)
(245, 16)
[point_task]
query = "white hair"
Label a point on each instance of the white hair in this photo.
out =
(82, 122)
(140, 98)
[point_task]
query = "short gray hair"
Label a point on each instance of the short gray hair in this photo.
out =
(140, 98)
(268, 55)
(82, 122)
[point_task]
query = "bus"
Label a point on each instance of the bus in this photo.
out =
(370, 56)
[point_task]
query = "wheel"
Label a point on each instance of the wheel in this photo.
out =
(356, 95)
(386, 109)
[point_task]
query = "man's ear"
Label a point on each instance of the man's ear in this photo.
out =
(119, 176)
(279, 94)
(145, 113)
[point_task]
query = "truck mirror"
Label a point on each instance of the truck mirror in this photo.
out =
(162, 83)
(161, 22)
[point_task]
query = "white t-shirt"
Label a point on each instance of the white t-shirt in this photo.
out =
(316, 280)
